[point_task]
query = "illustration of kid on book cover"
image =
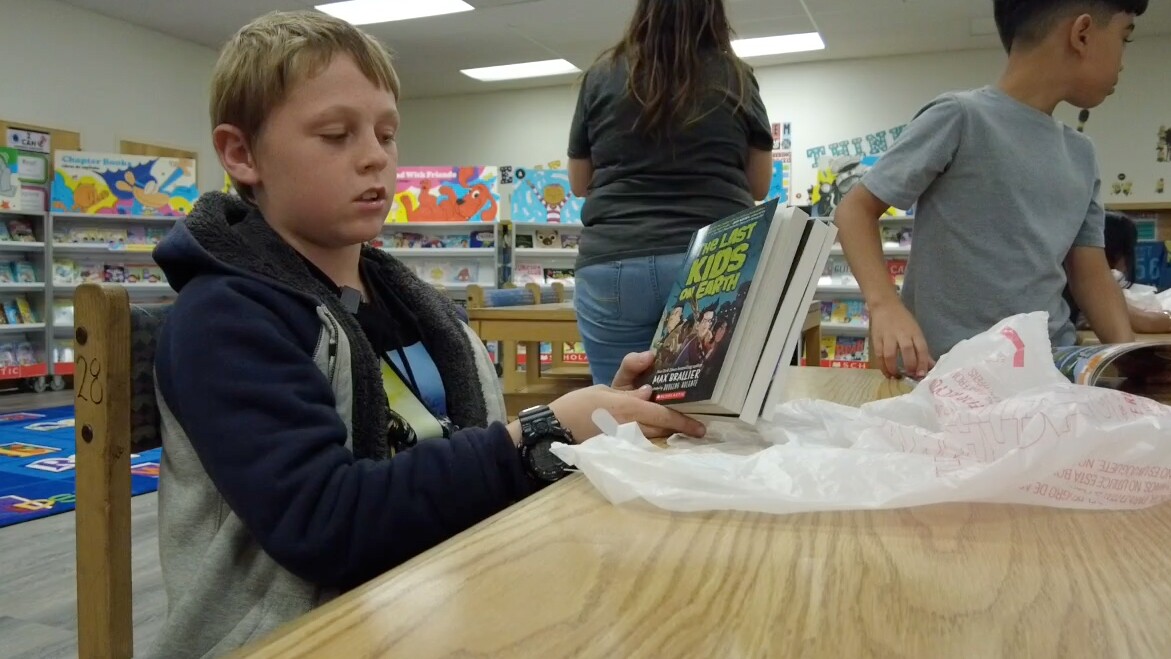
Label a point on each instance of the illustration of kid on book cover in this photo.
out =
(445, 194)
(117, 184)
(543, 196)
(704, 307)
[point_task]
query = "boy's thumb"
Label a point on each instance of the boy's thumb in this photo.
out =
(645, 392)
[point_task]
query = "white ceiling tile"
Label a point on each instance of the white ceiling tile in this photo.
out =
(430, 51)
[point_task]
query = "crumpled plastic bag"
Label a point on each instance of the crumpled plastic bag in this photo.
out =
(995, 421)
(1147, 298)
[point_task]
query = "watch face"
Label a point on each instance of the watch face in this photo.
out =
(543, 463)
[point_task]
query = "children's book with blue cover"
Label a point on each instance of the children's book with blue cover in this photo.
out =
(544, 196)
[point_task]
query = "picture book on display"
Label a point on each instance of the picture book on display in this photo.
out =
(119, 184)
(736, 311)
(445, 194)
(543, 196)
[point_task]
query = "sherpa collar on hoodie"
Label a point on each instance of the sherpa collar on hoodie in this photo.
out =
(235, 234)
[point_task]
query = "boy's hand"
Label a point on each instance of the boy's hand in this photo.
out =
(574, 409)
(893, 331)
(634, 366)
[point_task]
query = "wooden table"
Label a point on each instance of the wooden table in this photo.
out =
(565, 573)
(557, 322)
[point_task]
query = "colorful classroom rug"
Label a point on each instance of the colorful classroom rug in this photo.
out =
(36, 465)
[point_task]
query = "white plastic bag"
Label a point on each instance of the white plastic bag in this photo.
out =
(994, 421)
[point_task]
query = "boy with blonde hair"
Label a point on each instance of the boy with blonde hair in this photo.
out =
(325, 414)
(1008, 201)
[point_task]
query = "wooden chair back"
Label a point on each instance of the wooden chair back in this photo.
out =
(116, 415)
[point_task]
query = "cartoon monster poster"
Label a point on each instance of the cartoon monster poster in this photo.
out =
(543, 196)
(445, 194)
(118, 184)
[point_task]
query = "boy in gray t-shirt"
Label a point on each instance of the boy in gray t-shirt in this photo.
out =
(1006, 197)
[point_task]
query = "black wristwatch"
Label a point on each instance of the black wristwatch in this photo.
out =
(539, 429)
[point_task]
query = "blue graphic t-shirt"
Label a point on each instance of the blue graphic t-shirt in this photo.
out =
(414, 388)
(427, 377)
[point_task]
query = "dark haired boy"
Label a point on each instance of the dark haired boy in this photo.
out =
(1007, 198)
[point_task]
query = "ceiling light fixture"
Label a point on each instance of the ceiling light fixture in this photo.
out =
(540, 69)
(780, 45)
(365, 12)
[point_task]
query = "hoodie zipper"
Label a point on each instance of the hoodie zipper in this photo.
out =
(331, 365)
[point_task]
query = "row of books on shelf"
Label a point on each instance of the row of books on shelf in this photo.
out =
(845, 352)
(897, 236)
(444, 272)
(68, 272)
(837, 272)
(20, 353)
(111, 237)
(17, 230)
(483, 238)
(547, 239)
(18, 311)
(571, 353)
(28, 353)
(845, 312)
(534, 273)
(18, 272)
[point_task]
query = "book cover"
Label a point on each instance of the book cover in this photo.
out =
(841, 312)
(828, 348)
(850, 349)
(117, 184)
(544, 197)
(702, 312)
(558, 274)
(445, 194)
(897, 269)
(547, 238)
(10, 185)
(827, 311)
(529, 273)
(856, 313)
(1142, 368)
(483, 239)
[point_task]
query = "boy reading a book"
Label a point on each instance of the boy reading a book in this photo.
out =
(325, 414)
(1006, 197)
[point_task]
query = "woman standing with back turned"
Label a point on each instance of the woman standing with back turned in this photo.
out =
(669, 135)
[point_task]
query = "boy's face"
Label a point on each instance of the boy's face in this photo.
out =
(1101, 59)
(326, 159)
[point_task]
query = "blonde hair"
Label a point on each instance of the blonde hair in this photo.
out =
(260, 64)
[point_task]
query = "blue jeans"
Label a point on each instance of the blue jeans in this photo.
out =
(619, 305)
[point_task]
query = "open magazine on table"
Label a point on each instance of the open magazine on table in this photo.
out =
(1142, 368)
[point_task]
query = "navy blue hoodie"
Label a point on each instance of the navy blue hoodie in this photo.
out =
(315, 487)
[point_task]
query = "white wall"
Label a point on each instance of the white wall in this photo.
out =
(825, 101)
(105, 79)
